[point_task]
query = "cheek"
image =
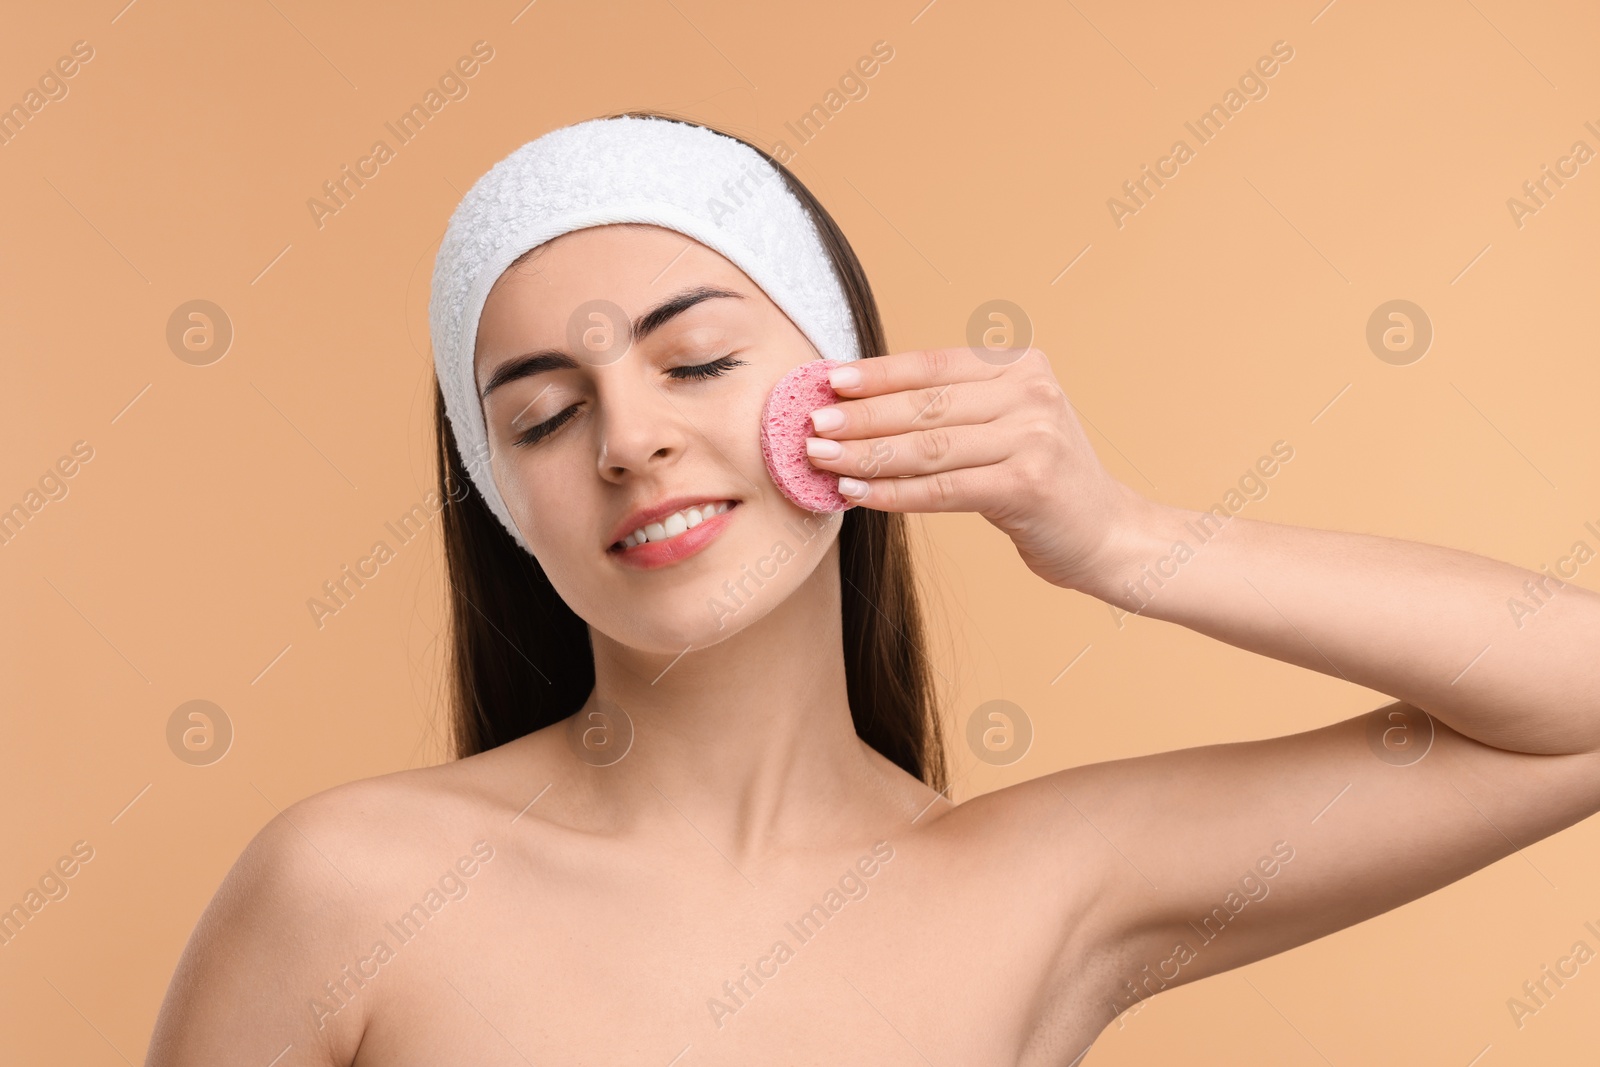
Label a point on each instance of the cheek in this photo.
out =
(546, 500)
(733, 428)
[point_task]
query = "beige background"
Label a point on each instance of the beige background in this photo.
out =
(1226, 315)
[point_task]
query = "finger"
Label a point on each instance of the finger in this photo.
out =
(949, 404)
(964, 489)
(918, 452)
(913, 369)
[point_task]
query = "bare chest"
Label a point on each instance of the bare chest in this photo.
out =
(905, 956)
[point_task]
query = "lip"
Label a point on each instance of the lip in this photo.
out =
(653, 554)
(659, 510)
(657, 553)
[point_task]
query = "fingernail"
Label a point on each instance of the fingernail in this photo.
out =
(853, 488)
(844, 377)
(822, 448)
(827, 418)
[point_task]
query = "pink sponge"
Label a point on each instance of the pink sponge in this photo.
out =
(785, 425)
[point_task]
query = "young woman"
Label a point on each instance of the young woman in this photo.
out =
(701, 812)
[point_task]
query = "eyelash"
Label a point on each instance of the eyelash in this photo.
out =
(716, 368)
(695, 372)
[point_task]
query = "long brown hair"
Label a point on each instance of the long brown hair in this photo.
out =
(520, 658)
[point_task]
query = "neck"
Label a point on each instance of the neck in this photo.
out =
(750, 739)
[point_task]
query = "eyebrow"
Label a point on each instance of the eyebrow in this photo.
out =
(532, 363)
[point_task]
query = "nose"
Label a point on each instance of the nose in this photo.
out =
(640, 429)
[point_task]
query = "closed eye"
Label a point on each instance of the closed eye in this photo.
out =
(694, 372)
(715, 368)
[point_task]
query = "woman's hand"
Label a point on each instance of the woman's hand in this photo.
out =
(944, 430)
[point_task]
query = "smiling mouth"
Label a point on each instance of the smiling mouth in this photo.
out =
(674, 525)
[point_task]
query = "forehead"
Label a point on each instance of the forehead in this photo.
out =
(634, 266)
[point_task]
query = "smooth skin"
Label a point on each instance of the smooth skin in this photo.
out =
(599, 914)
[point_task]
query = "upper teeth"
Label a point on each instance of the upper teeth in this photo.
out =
(674, 524)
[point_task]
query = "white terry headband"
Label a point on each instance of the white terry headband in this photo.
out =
(686, 178)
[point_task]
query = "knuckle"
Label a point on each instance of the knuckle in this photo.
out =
(935, 445)
(1040, 434)
(879, 454)
(931, 403)
(1044, 389)
(1031, 473)
(936, 363)
(1042, 452)
(859, 419)
(943, 488)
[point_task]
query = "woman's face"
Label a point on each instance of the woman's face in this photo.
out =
(591, 437)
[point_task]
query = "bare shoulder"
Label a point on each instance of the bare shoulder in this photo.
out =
(358, 841)
(375, 824)
(264, 965)
(363, 839)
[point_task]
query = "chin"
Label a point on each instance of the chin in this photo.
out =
(718, 604)
(672, 630)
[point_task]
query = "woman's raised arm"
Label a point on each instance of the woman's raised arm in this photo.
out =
(1507, 656)
(1229, 853)
(1207, 858)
